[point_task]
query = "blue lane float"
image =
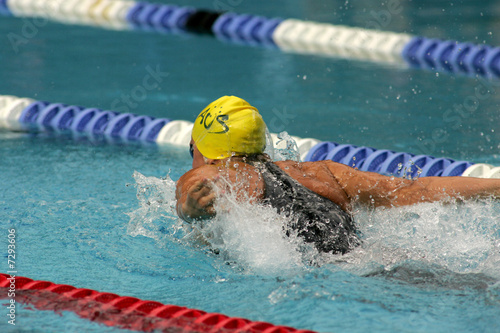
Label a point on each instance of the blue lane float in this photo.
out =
(289, 35)
(160, 18)
(387, 162)
(34, 116)
(453, 57)
(45, 116)
(4, 10)
(246, 29)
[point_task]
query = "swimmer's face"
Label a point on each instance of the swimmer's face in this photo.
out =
(198, 158)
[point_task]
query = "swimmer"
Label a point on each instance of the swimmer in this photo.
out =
(228, 141)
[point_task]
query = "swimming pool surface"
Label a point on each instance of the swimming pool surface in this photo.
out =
(97, 214)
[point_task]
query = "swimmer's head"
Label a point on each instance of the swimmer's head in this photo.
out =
(229, 126)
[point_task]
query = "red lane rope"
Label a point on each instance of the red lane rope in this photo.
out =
(128, 312)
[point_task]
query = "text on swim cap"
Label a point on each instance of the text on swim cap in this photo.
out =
(205, 117)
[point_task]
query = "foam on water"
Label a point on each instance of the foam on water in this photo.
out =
(156, 198)
(456, 238)
(251, 236)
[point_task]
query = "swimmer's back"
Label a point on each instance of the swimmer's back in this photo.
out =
(318, 178)
(313, 217)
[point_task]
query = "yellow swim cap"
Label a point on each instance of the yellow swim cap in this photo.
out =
(229, 126)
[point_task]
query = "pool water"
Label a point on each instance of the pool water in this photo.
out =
(98, 214)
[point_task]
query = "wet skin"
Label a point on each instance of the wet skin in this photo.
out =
(344, 185)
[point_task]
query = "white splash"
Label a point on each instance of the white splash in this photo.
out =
(156, 203)
(463, 238)
(245, 233)
(253, 236)
(286, 148)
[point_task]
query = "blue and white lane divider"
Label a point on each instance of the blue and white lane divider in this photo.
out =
(25, 114)
(286, 34)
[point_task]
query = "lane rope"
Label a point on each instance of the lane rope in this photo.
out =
(128, 312)
(288, 35)
(26, 114)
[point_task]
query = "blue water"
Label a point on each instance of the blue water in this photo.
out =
(81, 217)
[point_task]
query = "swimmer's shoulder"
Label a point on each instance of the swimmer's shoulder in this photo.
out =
(314, 167)
(320, 178)
(305, 172)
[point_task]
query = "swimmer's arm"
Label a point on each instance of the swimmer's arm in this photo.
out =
(195, 192)
(195, 196)
(373, 189)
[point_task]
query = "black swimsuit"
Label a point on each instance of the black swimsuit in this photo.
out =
(315, 218)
